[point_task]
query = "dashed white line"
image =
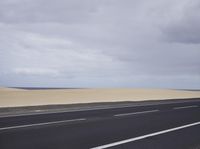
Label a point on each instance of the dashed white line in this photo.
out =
(64, 110)
(134, 113)
(185, 107)
(37, 110)
(145, 136)
(41, 124)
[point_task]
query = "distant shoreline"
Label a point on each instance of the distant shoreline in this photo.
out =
(58, 88)
(43, 88)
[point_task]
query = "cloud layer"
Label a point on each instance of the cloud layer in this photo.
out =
(100, 43)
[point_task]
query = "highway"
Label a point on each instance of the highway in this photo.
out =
(155, 126)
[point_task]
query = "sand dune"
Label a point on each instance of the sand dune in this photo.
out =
(18, 97)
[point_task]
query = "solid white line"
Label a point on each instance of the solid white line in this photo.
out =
(41, 124)
(185, 107)
(134, 113)
(145, 136)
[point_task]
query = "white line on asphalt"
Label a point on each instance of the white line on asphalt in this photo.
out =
(185, 107)
(89, 109)
(134, 113)
(41, 124)
(146, 136)
(37, 110)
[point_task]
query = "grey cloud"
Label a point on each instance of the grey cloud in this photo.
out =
(186, 27)
(31, 11)
(98, 43)
(36, 71)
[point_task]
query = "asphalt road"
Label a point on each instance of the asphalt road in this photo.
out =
(160, 126)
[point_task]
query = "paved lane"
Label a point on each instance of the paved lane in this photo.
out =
(94, 128)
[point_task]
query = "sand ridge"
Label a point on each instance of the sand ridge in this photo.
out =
(20, 97)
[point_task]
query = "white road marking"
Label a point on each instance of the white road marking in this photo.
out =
(41, 124)
(145, 136)
(134, 113)
(37, 110)
(91, 109)
(185, 107)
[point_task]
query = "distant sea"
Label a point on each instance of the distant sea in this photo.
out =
(42, 88)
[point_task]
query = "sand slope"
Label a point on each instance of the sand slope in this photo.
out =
(17, 97)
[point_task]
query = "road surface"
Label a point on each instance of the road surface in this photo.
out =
(159, 126)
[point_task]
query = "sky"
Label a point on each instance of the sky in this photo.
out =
(100, 43)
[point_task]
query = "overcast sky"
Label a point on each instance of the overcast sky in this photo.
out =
(100, 43)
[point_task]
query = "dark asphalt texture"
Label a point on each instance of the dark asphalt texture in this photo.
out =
(102, 127)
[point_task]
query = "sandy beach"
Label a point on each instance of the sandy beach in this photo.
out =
(19, 97)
